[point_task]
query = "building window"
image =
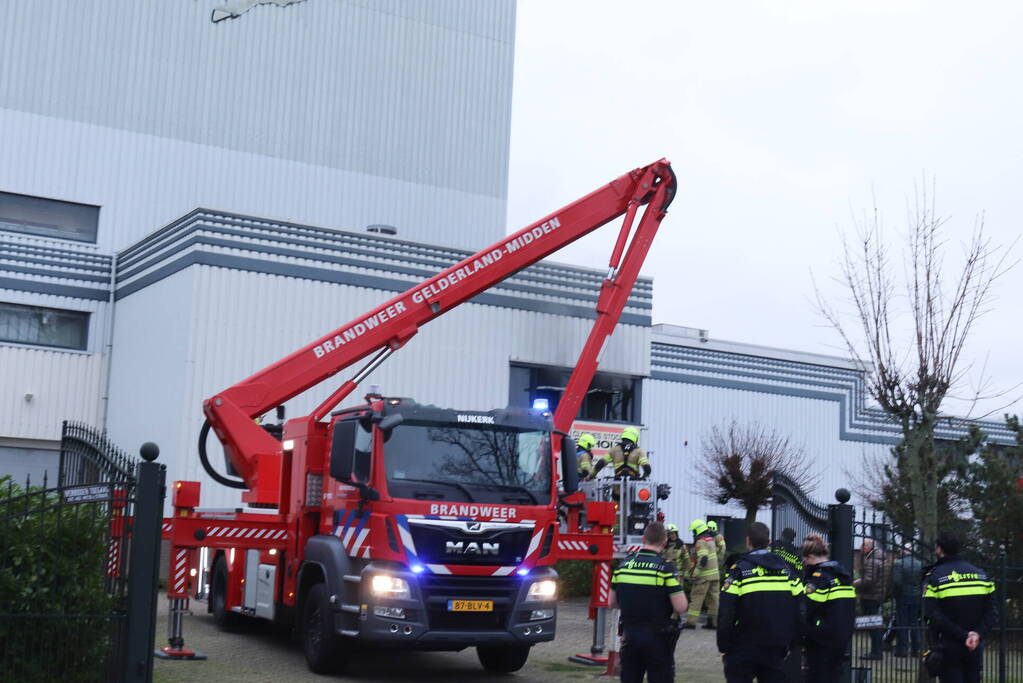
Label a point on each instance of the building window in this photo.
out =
(44, 326)
(48, 217)
(611, 398)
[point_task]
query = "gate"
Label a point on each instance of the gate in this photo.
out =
(897, 560)
(78, 565)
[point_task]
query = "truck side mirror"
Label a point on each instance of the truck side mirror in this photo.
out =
(342, 450)
(569, 467)
(390, 422)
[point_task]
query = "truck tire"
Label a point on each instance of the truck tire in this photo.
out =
(225, 619)
(325, 651)
(502, 659)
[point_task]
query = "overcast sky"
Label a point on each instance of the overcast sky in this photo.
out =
(780, 119)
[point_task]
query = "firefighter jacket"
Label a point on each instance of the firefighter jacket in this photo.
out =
(584, 460)
(760, 602)
(957, 599)
(643, 584)
(788, 552)
(719, 543)
(677, 553)
(830, 605)
(629, 460)
(706, 566)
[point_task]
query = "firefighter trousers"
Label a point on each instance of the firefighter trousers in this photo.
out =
(704, 592)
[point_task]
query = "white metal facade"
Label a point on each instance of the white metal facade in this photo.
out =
(330, 112)
(816, 401)
(339, 112)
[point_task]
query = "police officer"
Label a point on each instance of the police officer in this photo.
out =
(785, 547)
(959, 611)
(647, 590)
(584, 455)
(719, 542)
(705, 576)
(759, 612)
(675, 551)
(830, 607)
(628, 458)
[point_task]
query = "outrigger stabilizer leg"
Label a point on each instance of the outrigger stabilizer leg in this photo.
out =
(177, 601)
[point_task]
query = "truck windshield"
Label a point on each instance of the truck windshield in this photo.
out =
(476, 464)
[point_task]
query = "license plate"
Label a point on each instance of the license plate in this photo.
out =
(470, 605)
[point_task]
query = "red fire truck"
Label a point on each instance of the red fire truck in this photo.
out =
(404, 525)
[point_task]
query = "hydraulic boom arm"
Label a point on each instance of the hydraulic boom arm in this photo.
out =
(252, 451)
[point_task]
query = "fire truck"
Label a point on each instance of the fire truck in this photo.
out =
(398, 524)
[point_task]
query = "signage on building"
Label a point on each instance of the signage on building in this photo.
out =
(606, 434)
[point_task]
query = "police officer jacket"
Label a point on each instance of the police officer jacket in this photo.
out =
(759, 605)
(830, 605)
(957, 600)
(787, 552)
(643, 584)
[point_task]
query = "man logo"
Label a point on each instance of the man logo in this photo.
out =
(471, 548)
(472, 526)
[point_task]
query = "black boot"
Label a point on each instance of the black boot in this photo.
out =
(688, 626)
(710, 625)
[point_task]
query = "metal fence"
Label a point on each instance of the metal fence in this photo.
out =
(78, 568)
(889, 653)
(87, 456)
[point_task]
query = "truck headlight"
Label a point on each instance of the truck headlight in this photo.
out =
(387, 586)
(543, 590)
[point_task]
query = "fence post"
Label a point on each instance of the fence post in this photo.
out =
(1003, 607)
(145, 559)
(840, 533)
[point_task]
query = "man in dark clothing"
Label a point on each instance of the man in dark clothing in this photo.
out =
(907, 573)
(959, 610)
(785, 548)
(759, 612)
(647, 590)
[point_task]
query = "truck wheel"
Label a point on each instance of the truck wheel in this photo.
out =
(325, 651)
(502, 659)
(222, 616)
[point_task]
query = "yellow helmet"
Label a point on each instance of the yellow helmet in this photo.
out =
(671, 527)
(586, 441)
(697, 526)
(712, 525)
(632, 434)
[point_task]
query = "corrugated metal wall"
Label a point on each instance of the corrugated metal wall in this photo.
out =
(680, 417)
(339, 113)
(65, 385)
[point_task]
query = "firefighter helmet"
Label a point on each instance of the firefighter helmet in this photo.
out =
(632, 434)
(698, 526)
(671, 527)
(712, 525)
(586, 441)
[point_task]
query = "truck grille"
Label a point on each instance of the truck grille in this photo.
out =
(438, 589)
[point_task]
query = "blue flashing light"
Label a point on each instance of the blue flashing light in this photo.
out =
(541, 404)
(418, 568)
(522, 572)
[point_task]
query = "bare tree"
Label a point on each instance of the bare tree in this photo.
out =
(909, 332)
(739, 463)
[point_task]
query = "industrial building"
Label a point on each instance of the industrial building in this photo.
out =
(184, 201)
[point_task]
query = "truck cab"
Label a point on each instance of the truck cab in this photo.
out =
(435, 532)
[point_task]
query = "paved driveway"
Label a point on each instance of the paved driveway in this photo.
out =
(265, 654)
